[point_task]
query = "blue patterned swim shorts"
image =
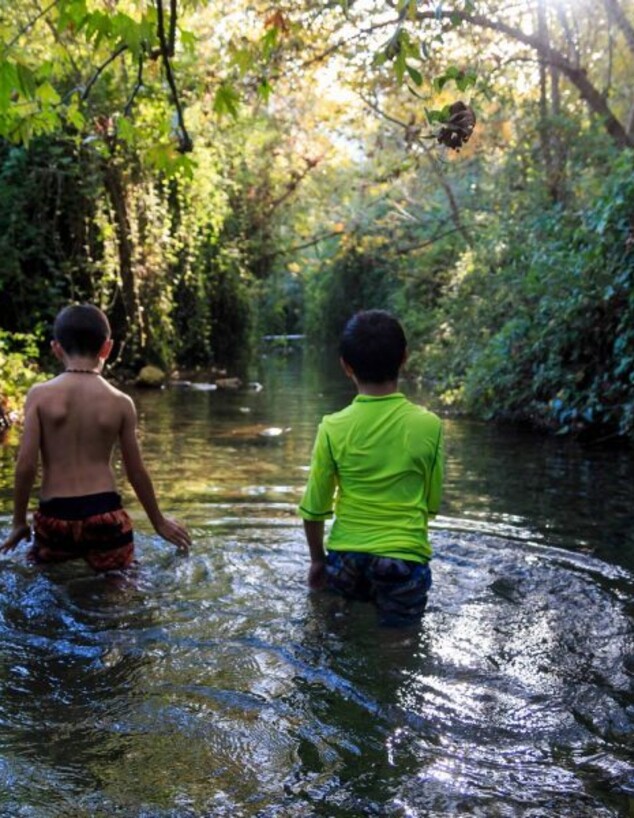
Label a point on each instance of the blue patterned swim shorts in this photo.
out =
(397, 587)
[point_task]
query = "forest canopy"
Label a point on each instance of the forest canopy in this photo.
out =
(208, 173)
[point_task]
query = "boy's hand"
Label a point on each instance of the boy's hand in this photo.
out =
(19, 533)
(175, 533)
(317, 576)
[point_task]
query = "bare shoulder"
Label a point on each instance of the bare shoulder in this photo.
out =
(40, 391)
(123, 401)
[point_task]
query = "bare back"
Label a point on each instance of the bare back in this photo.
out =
(80, 418)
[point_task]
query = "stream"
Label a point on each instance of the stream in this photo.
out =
(216, 685)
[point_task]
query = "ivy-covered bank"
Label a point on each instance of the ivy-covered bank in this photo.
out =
(538, 323)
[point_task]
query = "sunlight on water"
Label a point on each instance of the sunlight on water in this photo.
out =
(217, 686)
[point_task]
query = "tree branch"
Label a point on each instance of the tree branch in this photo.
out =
(576, 75)
(101, 69)
(295, 182)
(186, 144)
(311, 243)
(618, 15)
(137, 87)
(347, 40)
(401, 251)
(172, 28)
(413, 134)
(27, 26)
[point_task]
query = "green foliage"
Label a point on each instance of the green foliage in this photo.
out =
(539, 324)
(45, 195)
(279, 169)
(356, 277)
(18, 369)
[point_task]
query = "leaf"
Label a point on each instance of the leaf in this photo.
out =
(265, 90)
(128, 31)
(441, 115)
(72, 15)
(8, 81)
(467, 79)
(26, 80)
(243, 59)
(226, 101)
(380, 58)
(269, 42)
(414, 74)
(75, 117)
(400, 65)
(47, 94)
(125, 130)
(188, 41)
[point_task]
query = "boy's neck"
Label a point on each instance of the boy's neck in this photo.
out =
(377, 390)
(81, 363)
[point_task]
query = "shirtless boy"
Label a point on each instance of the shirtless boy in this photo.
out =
(74, 421)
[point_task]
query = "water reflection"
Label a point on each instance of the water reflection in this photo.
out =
(217, 686)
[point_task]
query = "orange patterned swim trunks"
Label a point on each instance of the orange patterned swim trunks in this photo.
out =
(93, 527)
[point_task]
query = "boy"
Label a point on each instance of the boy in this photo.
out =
(74, 421)
(383, 456)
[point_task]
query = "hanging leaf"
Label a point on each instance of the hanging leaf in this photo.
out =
(265, 90)
(47, 94)
(415, 75)
(226, 101)
(8, 82)
(26, 81)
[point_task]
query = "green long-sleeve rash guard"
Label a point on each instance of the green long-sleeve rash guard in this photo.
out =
(378, 465)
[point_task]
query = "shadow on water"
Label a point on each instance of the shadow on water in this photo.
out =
(217, 686)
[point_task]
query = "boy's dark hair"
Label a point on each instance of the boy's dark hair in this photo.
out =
(81, 329)
(373, 344)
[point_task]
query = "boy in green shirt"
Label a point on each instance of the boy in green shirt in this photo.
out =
(380, 459)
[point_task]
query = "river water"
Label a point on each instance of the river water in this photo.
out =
(216, 685)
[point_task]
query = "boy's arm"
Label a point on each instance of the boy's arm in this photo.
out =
(140, 481)
(434, 493)
(25, 472)
(316, 505)
(314, 530)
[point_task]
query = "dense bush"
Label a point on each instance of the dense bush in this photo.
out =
(76, 225)
(18, 372)
(538, 324)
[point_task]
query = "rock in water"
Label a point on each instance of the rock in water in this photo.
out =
(151, 377)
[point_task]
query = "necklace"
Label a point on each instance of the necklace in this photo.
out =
(83, 371)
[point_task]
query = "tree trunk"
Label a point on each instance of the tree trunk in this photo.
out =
(618, 15)
(125, 310)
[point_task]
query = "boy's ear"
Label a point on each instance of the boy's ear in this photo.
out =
(58, 351)
(346, 368)
(106, 349)
(405, 354)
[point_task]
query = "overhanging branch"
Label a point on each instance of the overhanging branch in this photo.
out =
(550, 55)
(101, 69)
(186, 144)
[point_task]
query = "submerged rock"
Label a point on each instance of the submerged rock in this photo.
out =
(228, 383)
(254, 433)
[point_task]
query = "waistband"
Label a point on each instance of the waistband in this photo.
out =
(81, 506)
